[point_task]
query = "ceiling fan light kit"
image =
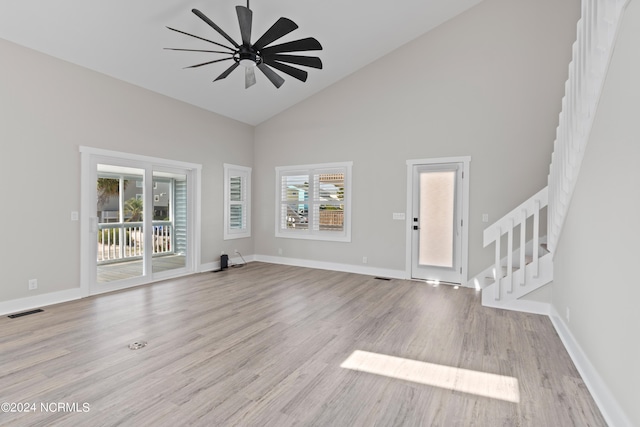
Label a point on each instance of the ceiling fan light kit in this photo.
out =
(261, 54)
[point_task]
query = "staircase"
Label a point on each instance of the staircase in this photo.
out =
(524, 244)
(522, 262)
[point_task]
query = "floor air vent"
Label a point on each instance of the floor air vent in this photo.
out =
(24, 313)
(382, 278)
(137, 345)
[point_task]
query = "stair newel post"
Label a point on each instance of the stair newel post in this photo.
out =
(536, 237)
(509, 275)
(497, 267)
(523, 243)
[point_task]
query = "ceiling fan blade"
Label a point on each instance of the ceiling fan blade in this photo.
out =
(281, 28)
(245, 17)
(307, 61)
(287, 69)
(198, 50)
(214, 26)
(249, 77)
(271, 75)
(200, 38)
(295, 46)
(227, 72)
(209, 62)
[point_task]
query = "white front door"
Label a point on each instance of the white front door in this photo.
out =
(436, 222)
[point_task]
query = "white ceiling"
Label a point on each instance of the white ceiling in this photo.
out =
(125, 39)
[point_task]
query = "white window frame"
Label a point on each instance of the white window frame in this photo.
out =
(244, 173)
(337, 236)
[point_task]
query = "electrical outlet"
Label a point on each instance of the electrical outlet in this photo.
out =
(279, 251)
(568, 315)
(235, 251)
(221, 252)
(364, 260)
(33, 284)
(485, 217)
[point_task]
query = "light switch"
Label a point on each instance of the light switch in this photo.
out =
(74, 216)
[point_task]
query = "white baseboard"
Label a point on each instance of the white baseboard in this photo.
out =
(526, 306)
(37, 301)
(43, 300)
(608, 405)
(322, 265)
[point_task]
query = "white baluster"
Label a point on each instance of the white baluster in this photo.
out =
(133, 241)
(121, 234)
(109, 243)
(510, 257)
(536, 237)
(523, 243)
(497, 267)
(101, 245)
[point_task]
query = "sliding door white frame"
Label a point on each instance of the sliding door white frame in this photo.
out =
(90, 157)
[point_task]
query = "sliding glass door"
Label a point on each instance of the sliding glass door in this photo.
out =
(120, 223)
(140, 220)
(169, 225)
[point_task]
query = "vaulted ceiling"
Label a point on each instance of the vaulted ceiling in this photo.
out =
(125, 39)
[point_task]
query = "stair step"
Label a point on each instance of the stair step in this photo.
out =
(528, 259)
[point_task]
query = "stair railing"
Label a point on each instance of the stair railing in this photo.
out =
(592, 51)
(493, 234)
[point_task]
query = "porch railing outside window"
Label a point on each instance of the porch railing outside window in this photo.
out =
(119, 241)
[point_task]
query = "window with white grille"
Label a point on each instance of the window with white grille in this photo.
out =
(314, 201)
(237, 202)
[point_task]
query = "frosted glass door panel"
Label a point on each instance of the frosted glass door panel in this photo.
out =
(435, 222)
(437, 213)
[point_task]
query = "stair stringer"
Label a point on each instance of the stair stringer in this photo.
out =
(532, 282)
(597, 31)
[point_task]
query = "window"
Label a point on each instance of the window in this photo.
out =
(314, 202)
(237, 202)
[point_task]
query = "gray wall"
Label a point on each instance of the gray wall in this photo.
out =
(487, 83)
(595, 265)
(48, 108)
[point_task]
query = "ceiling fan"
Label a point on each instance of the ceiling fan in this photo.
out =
(261, 53)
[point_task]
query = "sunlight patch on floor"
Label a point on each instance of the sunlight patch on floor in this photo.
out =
(457, 379)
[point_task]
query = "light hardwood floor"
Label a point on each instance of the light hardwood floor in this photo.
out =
(128, 269)
(262, 345)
